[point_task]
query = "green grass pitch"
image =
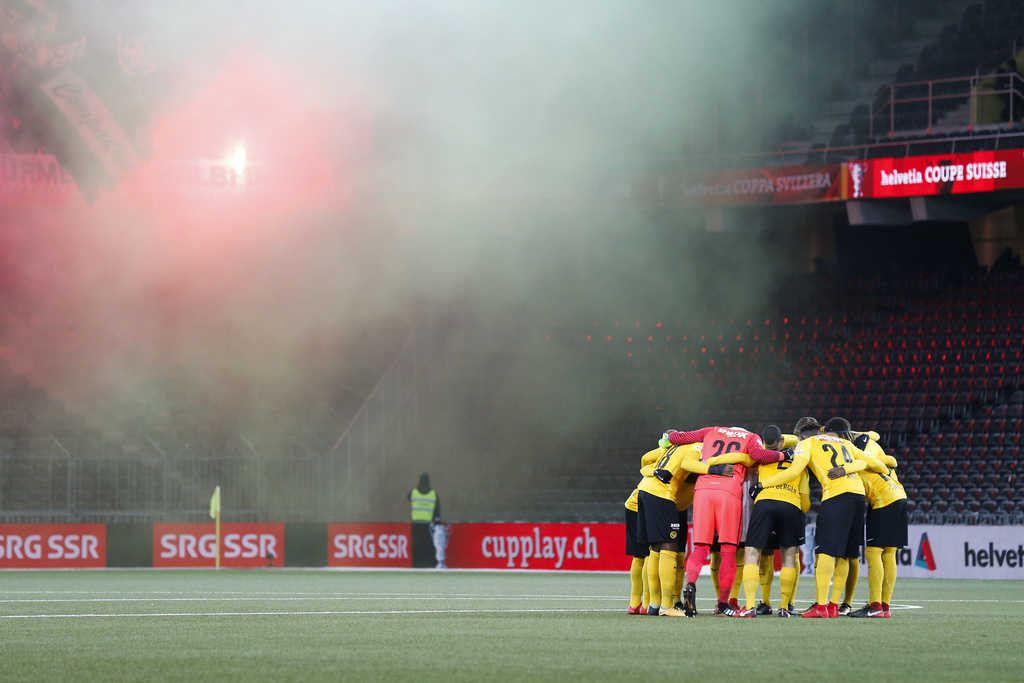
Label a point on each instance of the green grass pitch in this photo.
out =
(296, 625)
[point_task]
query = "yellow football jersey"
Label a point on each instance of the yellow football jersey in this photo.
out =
(880, 488)
(825, 452)
(647, 462)
(820, 454)
(684, 496)
(671, 460)
(788, 492)
(631, 501)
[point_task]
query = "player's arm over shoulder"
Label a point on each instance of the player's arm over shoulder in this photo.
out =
(732, 459)
(692, 462)
(869, 462)
(876, 451)
(652, 456)
(799, 464)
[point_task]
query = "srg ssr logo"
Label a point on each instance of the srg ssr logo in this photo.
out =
(174, 546)
(368, 546)
(55, 547)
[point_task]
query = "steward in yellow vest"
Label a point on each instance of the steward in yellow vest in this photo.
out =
(425, 508)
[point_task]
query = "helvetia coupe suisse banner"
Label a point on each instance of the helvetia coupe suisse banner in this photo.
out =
(935, 175)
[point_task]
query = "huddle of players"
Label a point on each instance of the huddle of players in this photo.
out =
(708, 469)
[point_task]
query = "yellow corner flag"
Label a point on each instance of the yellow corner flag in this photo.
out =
(215, 504)
(215, 513)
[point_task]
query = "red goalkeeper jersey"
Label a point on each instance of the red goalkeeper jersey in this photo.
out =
(722, 441)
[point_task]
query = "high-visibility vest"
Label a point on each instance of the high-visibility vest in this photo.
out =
(423, 505)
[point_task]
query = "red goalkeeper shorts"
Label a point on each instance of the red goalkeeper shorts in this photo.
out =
(718, 511)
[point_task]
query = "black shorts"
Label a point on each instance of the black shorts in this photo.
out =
(840, 528)
(887, 526)
(632, 547)
(684, 528)
(778, 518)
(657, 521)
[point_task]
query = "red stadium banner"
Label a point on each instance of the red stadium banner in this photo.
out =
(53, 546)
(40, 180)
(776, 185)
(566, 547)
(369, 545)
(36, 180)
(934, 175)
(194, 545)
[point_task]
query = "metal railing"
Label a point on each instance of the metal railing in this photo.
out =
(992, 98)
(44, 479)
(1012, 138)
(154, 486)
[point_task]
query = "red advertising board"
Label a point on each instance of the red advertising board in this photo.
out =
(935, 175)
(53, 546)
(194, 545)
(567, 547)
(775, 185)
(369, 545)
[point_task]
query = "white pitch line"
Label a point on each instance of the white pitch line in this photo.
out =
(900, 606)
(374, 594)
(260, 598)
(247, 596)
(286, 614)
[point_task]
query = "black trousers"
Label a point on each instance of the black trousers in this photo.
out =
(423, 554)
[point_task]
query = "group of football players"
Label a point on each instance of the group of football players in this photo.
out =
(750, 493)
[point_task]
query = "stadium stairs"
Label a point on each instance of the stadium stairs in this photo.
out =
(947, 40)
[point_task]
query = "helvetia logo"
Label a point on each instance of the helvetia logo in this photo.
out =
(925, 558)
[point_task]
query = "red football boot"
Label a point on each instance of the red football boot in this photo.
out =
(816, 612)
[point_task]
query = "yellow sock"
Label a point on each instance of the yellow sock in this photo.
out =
(824, 566)
(889, 576)
(737, 583)
(654, 576)
(636, 582)
(839, 578)
(646, 599)
(766, 572)
(680, 576)
(875, 573)
(851, 580)
(716, 562)
(750, 581)
(787, 586)
(667, 575)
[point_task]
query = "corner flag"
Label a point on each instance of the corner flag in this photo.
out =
(215, 504)
(215, 513)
